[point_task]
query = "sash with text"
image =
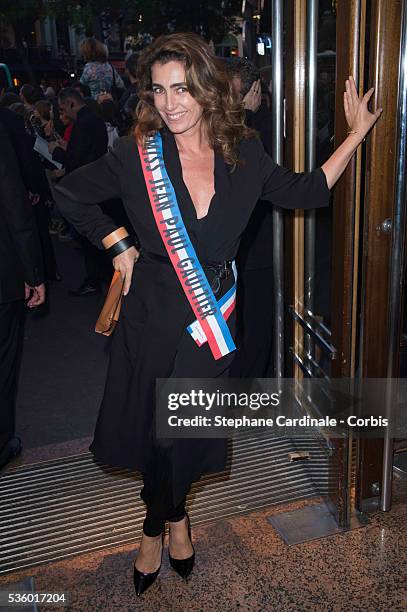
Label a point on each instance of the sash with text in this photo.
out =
(210, 324)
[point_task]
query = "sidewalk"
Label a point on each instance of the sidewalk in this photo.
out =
(242, 564)
(64, 363)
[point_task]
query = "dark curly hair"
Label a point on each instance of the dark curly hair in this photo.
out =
(208, 83)
(245, 69)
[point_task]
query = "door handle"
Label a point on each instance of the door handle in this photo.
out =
(384, 227)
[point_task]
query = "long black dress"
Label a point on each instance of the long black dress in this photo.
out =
(151, 340)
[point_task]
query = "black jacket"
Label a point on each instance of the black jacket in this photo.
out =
(87, 143)
(20, 251)
(130, 91)
(262, 121)
(256, 247)
(30, 166)
(152, 340)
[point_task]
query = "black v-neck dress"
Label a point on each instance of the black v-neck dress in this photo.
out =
(151, 340)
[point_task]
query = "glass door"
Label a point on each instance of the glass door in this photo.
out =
(321, 244)
(338, 283)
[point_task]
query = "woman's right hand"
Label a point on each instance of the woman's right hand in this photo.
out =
(124, 262)
(48, 128)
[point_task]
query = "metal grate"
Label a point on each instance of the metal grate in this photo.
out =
(65, 507)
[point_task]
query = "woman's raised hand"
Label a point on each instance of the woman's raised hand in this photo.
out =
(358, 116)
(48, 128)
(124, 262)
(252, 99)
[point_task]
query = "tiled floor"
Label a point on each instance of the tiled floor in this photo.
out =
(242, 564)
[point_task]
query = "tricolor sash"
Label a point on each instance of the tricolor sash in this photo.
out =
(226, 303)
(210, 324)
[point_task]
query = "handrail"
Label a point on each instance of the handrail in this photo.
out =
(314, 332)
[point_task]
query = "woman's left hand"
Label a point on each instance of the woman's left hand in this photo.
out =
(357, 114)
(252, 99)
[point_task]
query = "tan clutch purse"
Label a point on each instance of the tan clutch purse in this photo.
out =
(111, 308)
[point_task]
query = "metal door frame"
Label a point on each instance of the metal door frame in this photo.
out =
(301, 142)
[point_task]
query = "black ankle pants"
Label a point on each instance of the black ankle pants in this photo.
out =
(157, 491)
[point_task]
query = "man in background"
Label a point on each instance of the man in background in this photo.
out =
(255, 256)
(129, 100)
(131, 70)
(21, 277)
(88, 141)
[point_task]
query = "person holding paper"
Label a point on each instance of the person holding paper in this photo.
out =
(190, 176)
(88, 141)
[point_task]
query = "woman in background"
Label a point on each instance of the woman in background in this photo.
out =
(98, 73)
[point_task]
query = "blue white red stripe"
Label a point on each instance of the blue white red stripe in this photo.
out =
(181, 251)
(227, 304)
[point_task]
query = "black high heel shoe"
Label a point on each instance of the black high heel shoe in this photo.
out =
(184, 567)
(143, 580)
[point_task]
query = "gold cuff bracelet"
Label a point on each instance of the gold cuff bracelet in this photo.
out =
(111, 239)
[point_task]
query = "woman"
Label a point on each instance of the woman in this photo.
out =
(98, 74)
(43, 121)
(219, 170)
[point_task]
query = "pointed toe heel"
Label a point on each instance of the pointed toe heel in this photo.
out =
(184, 567)
(144, 580)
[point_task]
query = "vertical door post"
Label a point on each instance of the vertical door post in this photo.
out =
(397, 253)
(278, 220)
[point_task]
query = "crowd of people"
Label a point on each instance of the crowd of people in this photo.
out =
(78, 125)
